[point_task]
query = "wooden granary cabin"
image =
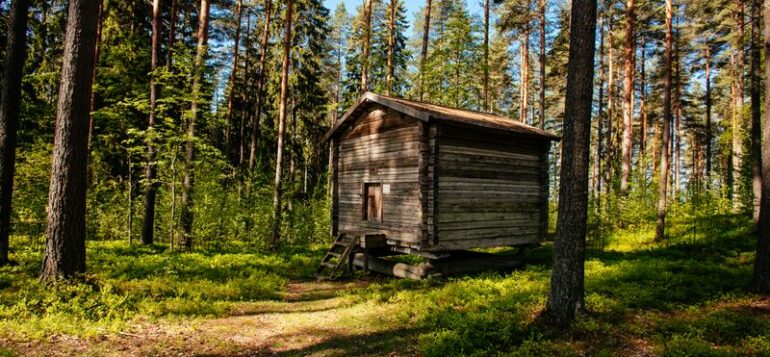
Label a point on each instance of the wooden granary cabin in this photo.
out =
(418, 178)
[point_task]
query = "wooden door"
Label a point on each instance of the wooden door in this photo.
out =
(372, 203)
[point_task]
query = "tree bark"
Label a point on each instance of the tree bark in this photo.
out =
(566, 296)
(254, 139)
(186, 214)
(737, 124)
(485, 79)
(628, 97)
(762, 262)
(10, 103)
(424, 51)
(600, 122)
(541, 124)
(150, 171)
(524, 86)
(233, 78)
(665, 137)
(643, 104)
(92, 102)
(676, 148)
(391, 45)
(610, 104)
(245, 95)
(65, 251)
(756, 111)
(171, 35)
(708, 113)
(277, 188)
(366, 45)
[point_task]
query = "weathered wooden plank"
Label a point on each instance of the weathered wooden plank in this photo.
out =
(505, 186)
(402, 132)
(449, 150)
(334, 167)
(451, 167)
(472, 205)
(382, 122)
(480, 181)
(489, 224)
(525, 175)
(485, 233)
(489, 216)
(423, 163)
(522, 240)
(483, 196)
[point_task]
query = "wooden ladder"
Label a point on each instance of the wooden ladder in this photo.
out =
(337, 257)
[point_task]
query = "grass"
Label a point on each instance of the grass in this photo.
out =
(686, 296)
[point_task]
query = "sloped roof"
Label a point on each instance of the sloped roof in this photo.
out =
(432, 112)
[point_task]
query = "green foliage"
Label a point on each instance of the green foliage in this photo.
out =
(128, 282)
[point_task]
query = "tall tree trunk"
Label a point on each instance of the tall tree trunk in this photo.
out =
(150, 171)
(738, 116)
(233, 78)
(566, 296)
(366, 45)
(628, 97)
(541, 124)
(600, 122)
(65, 251)
(10, 102)
(254, 139)
(186, 214)
(424, 50)
(524, 86)
(92, 101)
(245, 95)
(277, 188)
(708, 114)
(391, 45)
(171, 35)
(676, 148)
(610, 104)
(731, 176)
(762, 262)
(485, 79)
(756, 111)
(666, 135)
(643, 105)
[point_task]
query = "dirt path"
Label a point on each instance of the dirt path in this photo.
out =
(311, 320)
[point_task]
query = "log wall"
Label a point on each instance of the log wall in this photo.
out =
(383, 146)
(491, 189)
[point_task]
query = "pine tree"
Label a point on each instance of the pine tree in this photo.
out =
(186, 214)
(665, 137)
(65, 251)
(148, 224)
(282, 112)
(566, 295)
(10, 103)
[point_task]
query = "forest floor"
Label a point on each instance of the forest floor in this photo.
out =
(687, 296)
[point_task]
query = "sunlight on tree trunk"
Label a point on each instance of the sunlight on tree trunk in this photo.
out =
(150, 171)
(628, 98)
(762, 261)
(186, 213)
(665, 137)
(65, 250)
(277, 185)
(566, 295)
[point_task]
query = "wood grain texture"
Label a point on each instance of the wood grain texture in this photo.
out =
(382, 146)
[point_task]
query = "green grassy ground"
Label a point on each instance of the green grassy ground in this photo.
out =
(687, 296)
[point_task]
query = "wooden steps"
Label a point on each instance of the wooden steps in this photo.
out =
(337, 257)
